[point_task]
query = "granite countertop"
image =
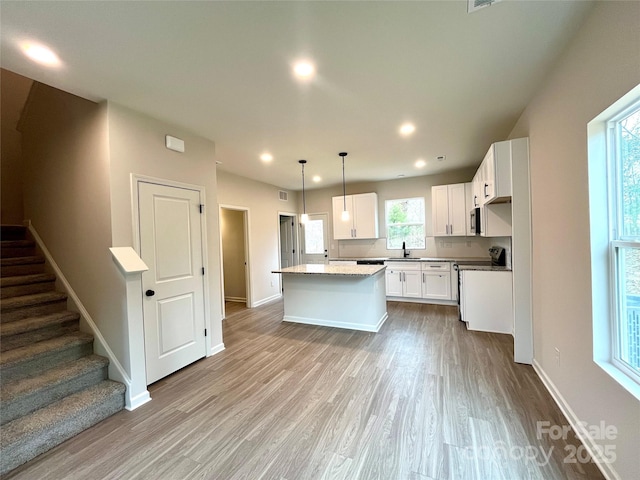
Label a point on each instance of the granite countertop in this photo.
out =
(488, 268)
(421, 259)
(344, 270)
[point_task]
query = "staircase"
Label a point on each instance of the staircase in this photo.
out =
(52, 386)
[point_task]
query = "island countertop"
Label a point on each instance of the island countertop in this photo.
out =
(342, 270)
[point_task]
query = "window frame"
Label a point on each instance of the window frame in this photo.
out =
(387, 203)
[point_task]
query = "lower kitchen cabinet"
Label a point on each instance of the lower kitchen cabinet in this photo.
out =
(403, 279)
(486, 300)
(436, 280)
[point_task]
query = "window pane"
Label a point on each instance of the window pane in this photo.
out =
(629, 142)
(629, 321)
(313, 237)
(405, 223)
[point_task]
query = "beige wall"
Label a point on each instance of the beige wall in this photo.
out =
(67, 198)
(263, 204)
(233, 255)
(601, 65)
(14, 92)
(137, 146)
(319, 201)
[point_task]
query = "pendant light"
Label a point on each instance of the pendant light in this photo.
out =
(304, 218)
(345, 212)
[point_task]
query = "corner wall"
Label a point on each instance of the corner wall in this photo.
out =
(601, 64)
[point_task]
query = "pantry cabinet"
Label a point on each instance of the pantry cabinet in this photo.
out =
(363, 216)
(449, 210)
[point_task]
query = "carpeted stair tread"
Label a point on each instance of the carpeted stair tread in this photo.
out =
(17, 355)
(24, 396)
(27, 279)
(31, 259)
(17, 243)
(31, 435)
(35, 323)
(23, 301)
(12, 232)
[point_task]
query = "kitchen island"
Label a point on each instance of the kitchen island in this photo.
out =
(343, 296)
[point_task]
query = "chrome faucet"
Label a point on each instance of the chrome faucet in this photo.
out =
(405, 252)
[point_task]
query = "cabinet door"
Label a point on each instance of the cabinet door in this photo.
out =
(412, 286)
(476, 187)
(489, 175)
(436, 285)
(342, 230)
(457, 210)
(365, 216)
(393, 280)
(440, 210)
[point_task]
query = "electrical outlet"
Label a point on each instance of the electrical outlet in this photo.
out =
(557, 356)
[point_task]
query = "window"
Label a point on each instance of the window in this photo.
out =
(614, 209)
(405, 223)
(314, 237)
(623, 140)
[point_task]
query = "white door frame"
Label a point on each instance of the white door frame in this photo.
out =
(247, 254)
(327, 235)
(136, 179)
(296, 241)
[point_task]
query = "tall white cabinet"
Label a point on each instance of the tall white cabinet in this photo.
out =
(363, 216)
(449, 210)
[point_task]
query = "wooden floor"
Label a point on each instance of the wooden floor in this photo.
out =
(422, 399)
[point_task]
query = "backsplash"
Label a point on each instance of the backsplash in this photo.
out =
(435, 247)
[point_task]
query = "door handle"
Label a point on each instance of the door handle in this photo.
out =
(149, 293)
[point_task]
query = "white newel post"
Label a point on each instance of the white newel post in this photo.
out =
(132, 266)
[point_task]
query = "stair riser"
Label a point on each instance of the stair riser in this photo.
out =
(40, 363)
(17, 290)
(9, 342)
(26, 404)
(13, 233)
(30, 446)
(27, 269)
(41, 309)
(25, 251)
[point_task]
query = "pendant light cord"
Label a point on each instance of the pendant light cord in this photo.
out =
(344, 188)
(304, 199)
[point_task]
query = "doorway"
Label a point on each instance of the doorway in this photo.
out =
(234, 245)
(315, 239)
(288, 240)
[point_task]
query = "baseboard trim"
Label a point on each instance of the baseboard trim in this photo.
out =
(116, 371)
(216, 349)
(264, 301)
(333, 323)
(235, 299)
(578, 427)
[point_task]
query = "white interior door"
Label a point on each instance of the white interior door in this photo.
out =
(315, 239)
(287, 248)
(173, 302)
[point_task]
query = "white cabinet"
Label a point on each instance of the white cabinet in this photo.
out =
(495, 220)
(436, 280)
(495, 173)
(403, 279)
(449, 210)
(363, 216)
(486, 300)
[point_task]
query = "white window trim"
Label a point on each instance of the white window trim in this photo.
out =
(605, 243)
(387, 225)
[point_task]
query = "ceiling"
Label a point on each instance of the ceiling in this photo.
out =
(223, 71)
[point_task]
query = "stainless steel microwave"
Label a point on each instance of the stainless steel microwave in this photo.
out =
(474, 221)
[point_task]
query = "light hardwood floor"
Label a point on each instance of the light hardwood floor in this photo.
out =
(422, 399)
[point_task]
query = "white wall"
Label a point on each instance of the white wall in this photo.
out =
(233, 254)
(601, 64)
(319, 201)
(263, 204)
(137, 145)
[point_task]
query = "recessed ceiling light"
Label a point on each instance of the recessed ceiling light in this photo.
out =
(41, 54)
(304, 70)
(420, 163)
(317, 178)
(407, 129)
(266, 157)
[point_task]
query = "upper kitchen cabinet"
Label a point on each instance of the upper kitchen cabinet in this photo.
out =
(449, 210)
(494, 174)
(363, 217)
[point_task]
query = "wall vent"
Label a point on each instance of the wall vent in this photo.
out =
(282, 195)
(475, 5)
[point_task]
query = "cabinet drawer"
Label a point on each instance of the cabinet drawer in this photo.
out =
(436, 266)
(403, 265)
